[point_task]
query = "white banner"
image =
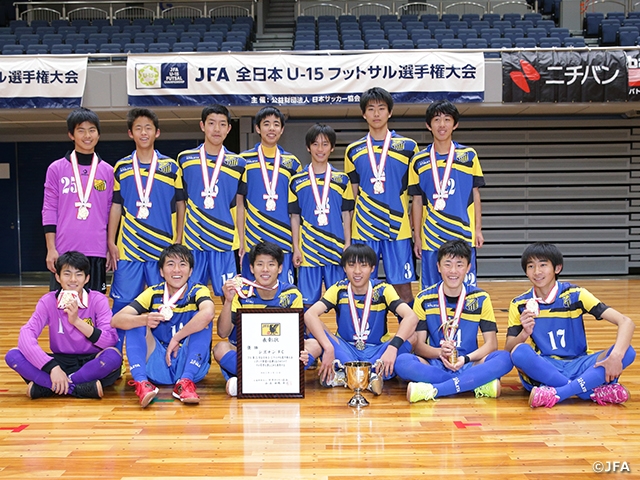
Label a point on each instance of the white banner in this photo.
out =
(43, 82)
(419, 76)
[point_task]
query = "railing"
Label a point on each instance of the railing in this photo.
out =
(605, 6)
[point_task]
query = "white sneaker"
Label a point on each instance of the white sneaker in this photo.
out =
(232, 387)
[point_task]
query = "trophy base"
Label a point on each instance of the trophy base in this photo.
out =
(358, 401)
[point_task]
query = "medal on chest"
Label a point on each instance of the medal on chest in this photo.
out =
(210, 191)
(360, 324)
(533, 304)
(379, 176)
(144, 193)
(321, 199)
(84, 193)
(169, 303)
(270, 185)
(440, 186)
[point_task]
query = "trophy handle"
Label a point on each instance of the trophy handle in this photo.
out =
(337, 363)
(379, 364)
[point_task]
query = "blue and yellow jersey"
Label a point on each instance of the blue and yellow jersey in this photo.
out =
(320, 245)
(261, 225)
(559, 329)
(384, 299)
(151, 301)
(211, 229)
(457, 220)
(139, 239)
(381, 216)
(477, 315)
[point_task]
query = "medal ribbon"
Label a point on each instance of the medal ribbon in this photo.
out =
(171, 302)
(210, 189)
(441, 187)
(378, 170)
(239, 281)
(144, 193)
(269, 186)
(322, 204)
(550, 298)
(83, 193)
(450, 326)
(360, 326)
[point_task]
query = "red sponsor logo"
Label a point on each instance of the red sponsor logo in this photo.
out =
(522, 78)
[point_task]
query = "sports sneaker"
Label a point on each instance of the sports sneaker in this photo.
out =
(145, 390)
(88, 390)
(38, 391)
(612, 393)
(185, 391)
(490, 390)
(339, 380)
(375, 384)
(232, 387)
(417, 391)
(543, 397)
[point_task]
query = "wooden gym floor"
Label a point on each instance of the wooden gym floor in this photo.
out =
(320, 437)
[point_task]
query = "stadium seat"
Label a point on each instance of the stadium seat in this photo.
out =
(511, 17)
(491, 18)
(574, 42)
(35, 49)
(537, 33)
(168, 37)
(534, 17)
(61, 49)
(304, 45)
(191, 37)
(46, 30)
(88, 30)
(513, 33)
(477, 43)
(85, 48)
(502, 25)
(592, 22)
(353, 44)
(183, 47)
(427, 44)
(457, 25)
(329, 45)
(402, 44)
(133, 48)
(627, 36)
(110, 48)
(501, 43)
(525, 42)
(609, 32)
(164, 47)
(31, 39)
(12, 50)
(478, 25)
(447, 18)
(466, 34)
(490, 33)
(51, 39)
(75, 39)
(378, 44)
(470, 18)
(451, 43)
(229, 46)
(146, 38)
(121, 38)
(546, 24)
(550, 42)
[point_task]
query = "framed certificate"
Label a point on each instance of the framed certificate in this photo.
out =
(269, 342)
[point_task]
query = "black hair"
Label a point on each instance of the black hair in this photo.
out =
(455, 249)
(359, 253)
(541, 251)
(74, 259)
(267, 112)
(378, 94)
(178, 251)
(81, 115)
(136, 113)
(266, 248)
(215, 108)
(442, 107)
(320, 130)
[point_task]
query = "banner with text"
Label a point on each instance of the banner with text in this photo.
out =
(286, 80)
(42, 82)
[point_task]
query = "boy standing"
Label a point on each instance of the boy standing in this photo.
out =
(263, 214)
(80, 335)
(320, 204)
(447, 358)
(148, 205)
(445, 180)
(77, 199)
(361, 306)
(558, 364)
(169, 330)
(211, 175)
(377, 166)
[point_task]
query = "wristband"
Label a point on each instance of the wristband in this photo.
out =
(466, 359)
(396, 342)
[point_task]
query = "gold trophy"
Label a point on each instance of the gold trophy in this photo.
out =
(358, 379)
(449, 330)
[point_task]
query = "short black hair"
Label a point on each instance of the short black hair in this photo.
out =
(81, 115)
(541, 251)
(320, 130)
(266, 248)
(455, 249)
(178, 251)
(378, 94)
(442, 107)
(359, 253)
(267, 112)
(74, 259)
(136, 113)
(215, 108)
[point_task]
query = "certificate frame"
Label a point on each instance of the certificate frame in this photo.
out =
(269, 341)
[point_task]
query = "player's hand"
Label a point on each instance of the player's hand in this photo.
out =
(446, 348)
(229, 291)
(452, 366)
(417, 248)
(52, 256)
(113, 255)
(172, 349)
(154, 319)
(326, 371)
(59, 381)
(71, 309)
(479, 238)
(612, 367)
(388, 361)
(297, 257)
(528, 321)
(241, 253)
(304, 357)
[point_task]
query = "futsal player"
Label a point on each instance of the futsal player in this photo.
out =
(548, 342)
(451, 314)
(377, 166)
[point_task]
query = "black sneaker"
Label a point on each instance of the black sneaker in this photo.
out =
(38, 391)
(88, 390)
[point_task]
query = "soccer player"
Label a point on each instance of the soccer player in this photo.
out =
(169, 330)
(377, 166)
(81, 338)
(547, 339)
(263, 215)
(147, 211)
(211, 176)
(361, 306)
(447, 359)
(320, 216)
(446, 198)
(77, 199)
(265, 260)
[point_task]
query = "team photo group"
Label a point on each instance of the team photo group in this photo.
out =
(265, 232)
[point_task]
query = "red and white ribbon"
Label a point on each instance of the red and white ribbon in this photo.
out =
(210, 191)
(441, 186)
(270, 185)
(169, 303)
(360, 324)
(448, 325)
(322, 202)
(144, 193)
(533, 304)
(379, 176)
(83, 204)
(239, 281)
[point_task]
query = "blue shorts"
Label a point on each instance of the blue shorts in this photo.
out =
(218, 267)
(571, 369)
(431, 275)
(158, 371)
(310, 281)
(397, 259)
(130, 278)
(439, 364)
(286, 276)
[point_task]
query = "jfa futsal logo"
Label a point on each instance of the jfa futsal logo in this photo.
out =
(522, 78)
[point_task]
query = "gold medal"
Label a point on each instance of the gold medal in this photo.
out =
(208, 202)
(271, 205)
(360, 344)
(143, 212)
(166, 311)
(83, 212)
(237, 282)
(440, 204)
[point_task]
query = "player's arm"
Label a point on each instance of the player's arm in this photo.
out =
(225, 323)
(295, 237)
(52, 252)
(520, 327)
(416, 220)
(477, 208)
(405, 330)
(128, 318)
(613, 362)
(181, 208)
(317, 328)
(347, 217)
(50, 217)
(115, 215)
(240, 215)
(423, 349)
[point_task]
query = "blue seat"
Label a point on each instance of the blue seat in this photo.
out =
(146, 38)
(164, 47)
(447, 18)
(19, 31)
(502, 25)
(559, 32)
(186, 21)
(402, 44)
(411, 26)
(429, 17)
(121, 38)
(470, 18)
(627, 36)
(523, 24)
(329, 45)
(525, 42)
(513, 33)
(328, 35)
(427, 43)
(592, 22)
(51, 39)
(183, 47)
(491, 18)
(620, 16)
(132, 29)
(388, 18)
(451, 43)
(42, 31)
(143, 22)
(501, 43)
(85, 48)
(364, 26)
(398, 35)
(229, 46)
(371, 34)
(442, 34)
(110, 48)
(228, 20)
(365, 18)
(304, 45)
(550, 42)
(13, 24)
(110, 30)
(162, 21)
(36, 49)
(306, 19)
(346, 18)
(478, 25)
(353, 44)
(155, 29)
(466, 34)
(167, 37)
(247, 20)
(191, 37)
(100, 23)
(75, 39)
(307, 27)
(133, 48)
(378, 44)
(408, 17)
(490, 33)
(420, 34)
(7, 39)
(457, 25)
(35, 24)
(609, 32)
(88, 30)
(576, 42)
(29, 39)
(80, 22)
(217, 37)
(511, 17)
(537, 33)
(477, 43)
(121, 22)
(394, 25)
(59, 23)
(533, 17)
(12, 50)
(433, 26)
(178, 29)
(546, 24)
(98, 38)
(64, 31)
(61, 49)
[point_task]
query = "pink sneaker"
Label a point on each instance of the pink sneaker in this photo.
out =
(543, 397)
(612, 393)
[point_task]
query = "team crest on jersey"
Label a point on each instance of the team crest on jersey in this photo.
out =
(231, 162)
(375, 296)
(287, 162)
(397, 145)
(164, 166)
(99, 185)
(462, 157)
(471, 304)
(566, 299)
(88, 321)
(286, 301)
(336, 178)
